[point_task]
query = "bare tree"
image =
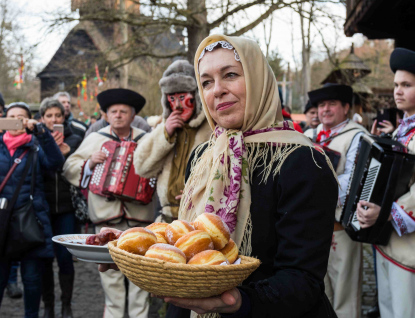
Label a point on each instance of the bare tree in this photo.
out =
(196, 18)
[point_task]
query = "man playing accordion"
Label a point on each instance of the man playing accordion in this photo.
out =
(121, 105)
(396, 261)
(338, 133)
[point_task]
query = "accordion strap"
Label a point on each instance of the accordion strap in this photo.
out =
(118, 139)
(336, 135)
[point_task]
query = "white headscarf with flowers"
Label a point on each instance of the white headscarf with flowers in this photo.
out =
(220, 179)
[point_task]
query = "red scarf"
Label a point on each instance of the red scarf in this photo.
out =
(323, 133)
(14, 142)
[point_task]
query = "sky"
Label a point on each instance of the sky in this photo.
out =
(285, 34)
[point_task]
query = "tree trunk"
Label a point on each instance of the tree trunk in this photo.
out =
(198, 30)
(124, 37)
(305, 55)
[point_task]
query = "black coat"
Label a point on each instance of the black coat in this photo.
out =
(292, 221)
(56, 187)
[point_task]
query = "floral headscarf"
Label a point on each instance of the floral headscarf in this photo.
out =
(220, 179)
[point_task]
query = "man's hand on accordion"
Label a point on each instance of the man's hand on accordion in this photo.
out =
(367, 213)
(96, 158)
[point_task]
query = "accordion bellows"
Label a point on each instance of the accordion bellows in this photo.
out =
(116, 176)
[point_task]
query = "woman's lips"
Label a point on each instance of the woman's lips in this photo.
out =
(223, 106)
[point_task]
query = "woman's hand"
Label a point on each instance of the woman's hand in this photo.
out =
(58, 137)
(104, 267)
(367, 217)
(96, 158)
(29, 123)
(173, 122)
(229, 302)
(64, 148)
(387, 127)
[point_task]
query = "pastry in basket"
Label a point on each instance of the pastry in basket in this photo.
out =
(166, 252)
(230, 251)
(214, 225)
(158, 227)
(194, 242)
(161, 238)
(176, 230)
(137, 240)
(103, 237)
(210, 257)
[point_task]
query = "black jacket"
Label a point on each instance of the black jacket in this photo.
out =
(292, 221)
(56, 187)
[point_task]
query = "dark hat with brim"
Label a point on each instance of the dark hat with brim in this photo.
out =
(330, 91)
(308, 106)
(402, 59)
(120, 96)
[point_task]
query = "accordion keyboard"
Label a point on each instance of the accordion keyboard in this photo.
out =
(367, 190)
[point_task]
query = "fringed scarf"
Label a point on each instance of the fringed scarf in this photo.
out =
(220, 179)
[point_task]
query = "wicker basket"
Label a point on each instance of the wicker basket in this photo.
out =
(180, 280)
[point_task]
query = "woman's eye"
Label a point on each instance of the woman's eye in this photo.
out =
(231, 75)
(205, 83)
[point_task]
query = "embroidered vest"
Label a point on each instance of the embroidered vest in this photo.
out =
(401, 249)
(341, 144)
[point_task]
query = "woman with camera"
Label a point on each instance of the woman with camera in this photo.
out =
(58, 195)
(27, 153)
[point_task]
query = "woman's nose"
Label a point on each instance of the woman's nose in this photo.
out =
(219, 89)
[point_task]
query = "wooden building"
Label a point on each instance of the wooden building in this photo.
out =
(91, 47)
(382, 19)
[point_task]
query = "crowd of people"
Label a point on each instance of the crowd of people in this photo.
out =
(224, 144)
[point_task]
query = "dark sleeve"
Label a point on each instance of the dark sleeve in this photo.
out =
(50, 155)
(73, 141)
(304, 216)
(202, 148)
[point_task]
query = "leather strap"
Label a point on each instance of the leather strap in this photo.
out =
(13, 167)
(337, 227)
(118, 139)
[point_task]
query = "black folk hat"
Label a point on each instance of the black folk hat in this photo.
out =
(402, 59)
(120, 96)
(308, 106)
(330, 91)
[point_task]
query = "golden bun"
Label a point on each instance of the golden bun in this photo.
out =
(158, 227)
(167, 253)
(230, 251)
(176, 230)
(161, 238)
(216, 228)
(136, 240)
(210, 257)
(194, 242)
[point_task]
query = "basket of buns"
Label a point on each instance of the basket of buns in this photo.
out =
(182, 259)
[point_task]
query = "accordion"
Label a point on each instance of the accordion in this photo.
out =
(116, 176)
(381, 174)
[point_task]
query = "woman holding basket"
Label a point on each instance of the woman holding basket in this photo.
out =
(275, 192)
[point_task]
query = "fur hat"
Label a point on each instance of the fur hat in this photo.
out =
(402, 59)
(177, 78)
